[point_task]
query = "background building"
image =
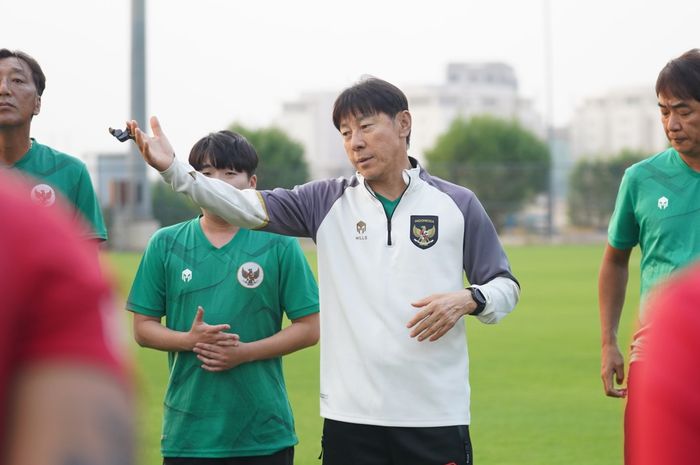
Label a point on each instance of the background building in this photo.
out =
(621, 119)
(470, 89)
(308, 121)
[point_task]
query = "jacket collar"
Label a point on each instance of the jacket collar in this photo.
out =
(411, 176)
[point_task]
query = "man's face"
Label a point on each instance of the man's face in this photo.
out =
(376, 144)
(681, 121)
(19, 100)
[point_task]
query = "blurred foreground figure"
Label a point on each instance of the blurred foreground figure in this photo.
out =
(63, 392)
(667, 418)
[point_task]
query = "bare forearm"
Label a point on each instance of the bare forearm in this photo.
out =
(298, 335)
(149, 332)
(154, 335)
(612, 285)
(223, 355)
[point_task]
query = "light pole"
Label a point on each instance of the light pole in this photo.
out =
(549, 116)
(133, 222)
(139, 198)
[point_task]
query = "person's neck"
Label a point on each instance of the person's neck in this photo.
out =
(216, 230)
(14, 144)
(392, 186)
(693, 161)
(388, 190)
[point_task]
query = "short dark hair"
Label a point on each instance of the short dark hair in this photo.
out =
(369, 96)
(681, 76)
(37, 73)
(224, 150)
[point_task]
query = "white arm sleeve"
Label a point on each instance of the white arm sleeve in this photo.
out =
(244, 208)
(502, 294)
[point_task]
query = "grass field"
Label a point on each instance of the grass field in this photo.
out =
(537, 398)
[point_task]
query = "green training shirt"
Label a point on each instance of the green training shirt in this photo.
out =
(658, 207)
(52, 172)
(249, 283)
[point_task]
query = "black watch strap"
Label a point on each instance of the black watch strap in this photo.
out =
(480, 300)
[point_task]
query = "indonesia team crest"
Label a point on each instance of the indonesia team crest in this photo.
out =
(43, 194)
(424, 231)
(250, 275)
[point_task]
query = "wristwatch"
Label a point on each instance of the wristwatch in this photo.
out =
(480, 300)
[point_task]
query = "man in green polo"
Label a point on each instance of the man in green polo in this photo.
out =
(52, 175)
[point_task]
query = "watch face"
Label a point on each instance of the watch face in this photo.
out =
(479, 299)
(478, 296)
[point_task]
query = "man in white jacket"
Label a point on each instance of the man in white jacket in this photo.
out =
(393, 245)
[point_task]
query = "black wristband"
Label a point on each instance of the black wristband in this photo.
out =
(480, 300)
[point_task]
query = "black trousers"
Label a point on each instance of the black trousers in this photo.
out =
(283, 457)
(356, 444)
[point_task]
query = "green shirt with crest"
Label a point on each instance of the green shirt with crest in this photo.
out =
(54, 174)
(249, 283)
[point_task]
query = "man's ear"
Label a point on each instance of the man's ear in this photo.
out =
(37, 105)
(253, 181)
(403, 119)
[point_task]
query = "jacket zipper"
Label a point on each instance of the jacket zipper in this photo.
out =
(389, 217)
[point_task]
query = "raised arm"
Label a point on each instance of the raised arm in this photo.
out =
(242, 208)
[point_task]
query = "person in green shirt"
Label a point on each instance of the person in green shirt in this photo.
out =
(226, 400)
(52, 174)
(657, 209)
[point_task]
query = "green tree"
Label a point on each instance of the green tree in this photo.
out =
(170, 207)
(282, 161)
(593, 186)
(503, 163)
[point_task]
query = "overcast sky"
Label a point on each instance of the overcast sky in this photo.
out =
(213, 62)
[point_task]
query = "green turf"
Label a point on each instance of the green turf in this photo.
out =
(537, 398)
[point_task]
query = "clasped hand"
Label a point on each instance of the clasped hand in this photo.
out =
(215, 348)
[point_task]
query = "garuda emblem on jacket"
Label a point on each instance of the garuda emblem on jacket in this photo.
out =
(424, 230)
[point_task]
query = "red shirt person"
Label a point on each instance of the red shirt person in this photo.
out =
(63, 393)
(667, 417)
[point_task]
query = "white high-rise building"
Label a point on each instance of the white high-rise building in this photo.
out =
(622, 119)
(308, 121)
(470, 89)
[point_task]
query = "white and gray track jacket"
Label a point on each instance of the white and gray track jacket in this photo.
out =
(370, 269)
